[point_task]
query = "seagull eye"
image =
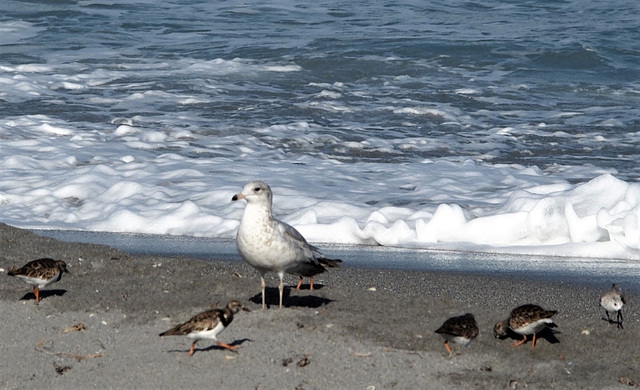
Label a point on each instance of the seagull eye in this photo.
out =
(257, 189)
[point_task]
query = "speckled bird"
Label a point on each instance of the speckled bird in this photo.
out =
(39, 273)
(207, 325)
(460, 330)
(525, 320)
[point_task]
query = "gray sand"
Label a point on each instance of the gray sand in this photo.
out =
(361, 329)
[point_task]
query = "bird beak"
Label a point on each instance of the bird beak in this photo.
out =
(237, 196)
(245, 309)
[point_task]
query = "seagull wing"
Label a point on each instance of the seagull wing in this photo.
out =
(305, 251)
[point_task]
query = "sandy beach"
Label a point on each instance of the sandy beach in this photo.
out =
(360, 329)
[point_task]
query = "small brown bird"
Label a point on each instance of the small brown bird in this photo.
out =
(40, 273)
(525, 320)
(461, 330)
(612, 301)
(207, 325)
(327, 263)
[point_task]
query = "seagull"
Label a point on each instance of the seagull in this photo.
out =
(40, 273)
(525, 320)
(207, 325)
(461, 330)
(612, 301)
(270, 245)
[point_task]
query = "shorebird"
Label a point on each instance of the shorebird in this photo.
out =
(39, 273)
(525, 320)
(270, 245)
(461, 330)
(299, 285)
(612, 301)
(207, 325)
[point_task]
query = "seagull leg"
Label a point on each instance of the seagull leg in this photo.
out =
(193, 345)
(446, 345)
(281, 288)
(264, 286)
(311, 285)
(299, 284)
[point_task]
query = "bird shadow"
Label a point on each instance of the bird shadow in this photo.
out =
(233, 344)
(610, 321)
(211, 347)
(43, 294)
(547, 333)
(272, 298)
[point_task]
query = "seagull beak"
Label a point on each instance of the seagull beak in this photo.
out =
(245, 309)
(237, 196)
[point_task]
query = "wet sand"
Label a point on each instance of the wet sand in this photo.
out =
(360, 329)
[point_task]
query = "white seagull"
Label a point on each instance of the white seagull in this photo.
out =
(269, 245)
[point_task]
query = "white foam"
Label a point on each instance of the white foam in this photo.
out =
(220, 66)
(47, 128)
(86, 184)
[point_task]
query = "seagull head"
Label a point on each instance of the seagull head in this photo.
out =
(255, 192)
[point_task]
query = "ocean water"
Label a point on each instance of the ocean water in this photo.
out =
(497, 126)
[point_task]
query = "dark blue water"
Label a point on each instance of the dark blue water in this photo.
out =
(541, 83)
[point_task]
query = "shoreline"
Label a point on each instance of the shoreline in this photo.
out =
(578, 270)
(361, 329)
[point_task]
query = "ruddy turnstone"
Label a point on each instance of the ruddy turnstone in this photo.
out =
(207, 325)
(612, 301)
(269, 245)
(301, 280)
(461, 330)
(525, 320)
(299, 285)
(328, 263)
(40, 273)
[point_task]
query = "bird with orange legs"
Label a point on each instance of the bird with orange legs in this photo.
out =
(207, 325)
(525, 320)
(39, 273)
(460, 330)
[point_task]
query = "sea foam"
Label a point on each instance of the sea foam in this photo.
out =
(441, 205)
